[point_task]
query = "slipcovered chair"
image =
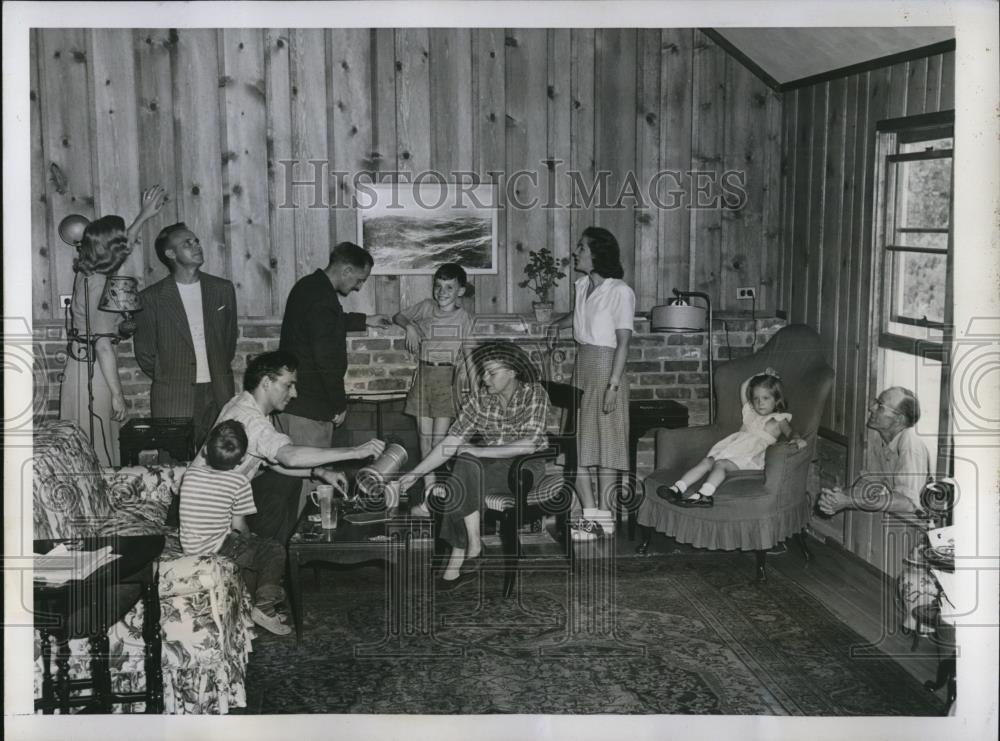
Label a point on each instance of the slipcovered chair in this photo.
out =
(754, 510)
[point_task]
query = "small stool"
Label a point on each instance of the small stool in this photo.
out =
(173, 434)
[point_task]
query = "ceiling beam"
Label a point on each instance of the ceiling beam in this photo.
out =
(742, 58)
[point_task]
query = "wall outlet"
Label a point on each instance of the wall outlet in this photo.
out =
(746, 293)
(65, 300)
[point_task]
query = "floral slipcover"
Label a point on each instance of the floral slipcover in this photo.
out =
(204, 607)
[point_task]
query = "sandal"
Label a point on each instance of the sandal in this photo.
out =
(697, 500)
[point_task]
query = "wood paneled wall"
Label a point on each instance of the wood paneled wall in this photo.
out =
(828, 258)
(210, 114)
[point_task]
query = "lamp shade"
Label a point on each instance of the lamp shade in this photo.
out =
(677, 316)
(121, 294)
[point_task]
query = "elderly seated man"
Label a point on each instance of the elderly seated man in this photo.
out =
(901, 465)
(901, 469)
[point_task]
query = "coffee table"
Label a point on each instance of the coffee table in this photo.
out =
(349, 544)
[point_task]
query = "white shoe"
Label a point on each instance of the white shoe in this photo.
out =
(272, 623)
(420, 510)
(584, 529)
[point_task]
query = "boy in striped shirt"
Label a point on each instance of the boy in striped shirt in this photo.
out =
(214, 504)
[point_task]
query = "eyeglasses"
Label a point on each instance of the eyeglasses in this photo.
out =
(882, 405)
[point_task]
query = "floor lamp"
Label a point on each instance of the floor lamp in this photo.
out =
(679, 315)
(120, 295)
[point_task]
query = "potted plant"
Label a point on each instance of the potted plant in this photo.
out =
(541, 275)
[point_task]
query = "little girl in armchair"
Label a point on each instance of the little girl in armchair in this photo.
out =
(765, 419)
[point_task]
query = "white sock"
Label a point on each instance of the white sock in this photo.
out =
(607, 519)
(680, 486)
(707, 490)
(591, 513)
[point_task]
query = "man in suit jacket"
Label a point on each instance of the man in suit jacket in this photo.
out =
(186, 335)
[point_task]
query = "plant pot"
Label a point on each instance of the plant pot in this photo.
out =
(543, 311)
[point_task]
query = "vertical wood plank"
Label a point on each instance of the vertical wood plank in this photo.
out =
(157, 165)
(947, 95)
(281, 213)
(648, 144)
(43, 303)
(771, 222)
(490, 152)
(65, 103)
(451, 108)
(932, 88)
(383, 157)
(708, 134)
(799, 251)
(615, 144)
(833, 241)
(197, 128)
(916, 87)
(818, 182)
(789, 152)
(349, 65)
(674, 190)
(742, 232)
(582, 45)
(527, 97)
(558, 190)
(847, 265)
(862, 526)
(413, 119)
(116, 133)
(307, 67)
(244, 137)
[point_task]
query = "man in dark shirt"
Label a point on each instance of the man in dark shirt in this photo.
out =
(314, 329)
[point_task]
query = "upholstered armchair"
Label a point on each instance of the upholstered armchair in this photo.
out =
(754, 511)
(204, 608)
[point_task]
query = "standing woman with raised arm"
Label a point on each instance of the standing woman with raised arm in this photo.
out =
(602, 328)
(104, 247)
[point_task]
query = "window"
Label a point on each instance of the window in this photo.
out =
(914, 236)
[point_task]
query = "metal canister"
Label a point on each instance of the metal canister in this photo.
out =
(374, 476)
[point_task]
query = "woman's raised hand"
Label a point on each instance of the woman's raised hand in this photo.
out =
(152, 201)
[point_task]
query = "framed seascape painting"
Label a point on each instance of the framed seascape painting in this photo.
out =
(411, 229)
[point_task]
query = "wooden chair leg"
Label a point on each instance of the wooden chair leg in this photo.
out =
(508, 539)
(646, 533)
(801, 539)
(761, 570)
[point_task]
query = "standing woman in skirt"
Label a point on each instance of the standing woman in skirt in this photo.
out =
(602, 328)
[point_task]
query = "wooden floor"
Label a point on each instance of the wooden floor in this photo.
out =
(848, 588)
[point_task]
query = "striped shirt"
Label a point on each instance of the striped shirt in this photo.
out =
(209, 499)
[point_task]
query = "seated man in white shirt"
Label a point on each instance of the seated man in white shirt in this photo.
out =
(269, 384)
(901, 467)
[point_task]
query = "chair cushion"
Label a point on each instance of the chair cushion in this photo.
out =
(498, 501)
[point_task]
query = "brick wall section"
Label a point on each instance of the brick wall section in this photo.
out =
(661, 366)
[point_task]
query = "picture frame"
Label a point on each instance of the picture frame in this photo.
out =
(413, 228)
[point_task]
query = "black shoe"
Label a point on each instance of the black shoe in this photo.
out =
(445, 585)
(668, 493)
(697, 500)
(472, 565)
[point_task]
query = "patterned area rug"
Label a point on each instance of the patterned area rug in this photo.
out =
(687, 635)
